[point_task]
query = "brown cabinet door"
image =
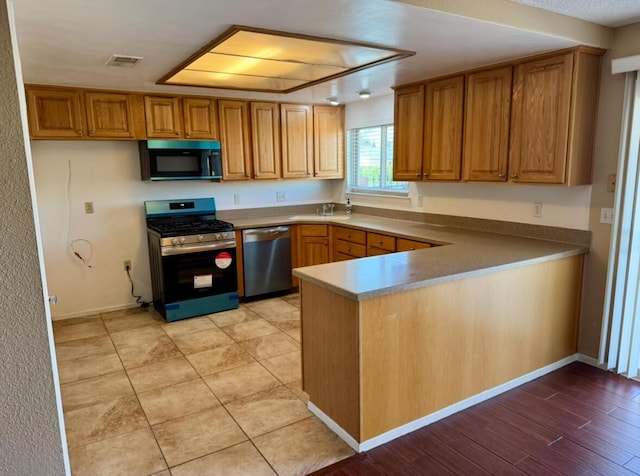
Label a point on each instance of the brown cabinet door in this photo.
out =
(109, 115)
(54, 114)
(403, 244)
(265, 138)
(486, 125)
(443, 129)
(297, 140)
(314, 250)
(234, 137)
(164, 120)
(540, 120)
(200, 118)
(328, 141)
(408, 133)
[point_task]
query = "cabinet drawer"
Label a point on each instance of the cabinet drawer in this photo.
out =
(352, 249)
(341, 256)
(384, 242)
(409, 245)
(314, 230)
(348, 234)
(373, 251)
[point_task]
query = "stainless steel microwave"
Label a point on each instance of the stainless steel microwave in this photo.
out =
(180, 160)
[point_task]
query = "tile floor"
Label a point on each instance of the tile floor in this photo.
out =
(214, 395)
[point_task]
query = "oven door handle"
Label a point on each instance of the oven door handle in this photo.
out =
(197, 247)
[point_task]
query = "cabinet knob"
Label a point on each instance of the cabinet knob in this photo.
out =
(412, 249)
(325, 242)
(514, 175)
(349, 249)
(426, 174)
(256, 175)
(501, 175)
(92, 133)
(79, 132)
(308, 173)
(348, 235)
(379, 242)
(417, 175)
(187, 135)
(177, 133)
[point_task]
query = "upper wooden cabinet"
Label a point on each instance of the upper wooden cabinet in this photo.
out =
(297, 140)
(443, 129)
(200, 118)
(110, 115)
(265, 139)
(408, 133)
(328, 141)
(486, 125)
(235, 140)
(163, 117)
(55, 114)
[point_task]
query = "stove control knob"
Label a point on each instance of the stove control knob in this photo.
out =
(200, 238)
(182, 240)
(175, 241)
(218, 236)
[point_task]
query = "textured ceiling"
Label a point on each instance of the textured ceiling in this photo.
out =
(612, 13)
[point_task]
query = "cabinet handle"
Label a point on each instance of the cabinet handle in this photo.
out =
(79, 132)
(177, 133)
(379, 242)
(256, 175)
(500, 175)
(187, 135)
(92, 132)
(514, 175)
(417, 175)
(426, 174)
(349, 249)
(348, 235)
(325, 242)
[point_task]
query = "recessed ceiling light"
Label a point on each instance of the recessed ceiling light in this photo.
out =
(123, 61)
(255, 59)
(334, 101)
(364, 94)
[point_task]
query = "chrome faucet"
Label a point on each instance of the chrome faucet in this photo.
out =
(327, 209)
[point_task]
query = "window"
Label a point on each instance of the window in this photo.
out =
(370, 159)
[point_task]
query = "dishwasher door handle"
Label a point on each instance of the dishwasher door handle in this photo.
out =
(265, 234)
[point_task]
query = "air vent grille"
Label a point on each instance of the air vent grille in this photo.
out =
(123, 61)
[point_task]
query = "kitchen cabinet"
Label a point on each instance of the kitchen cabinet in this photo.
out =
(378, 244)
(553, 119)
(408, 132)
(265, 140)
(112, 115)
(235, 139)
(402, 244)
(328, 141)
(486, 125)
(163, 118)
(55, 114)
(348, 243)
(297, 140)
(200, 118)
(443, 118)
(314, 245)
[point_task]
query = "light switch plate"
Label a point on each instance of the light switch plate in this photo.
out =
(88, 207)
(611, 183)
(606, 215)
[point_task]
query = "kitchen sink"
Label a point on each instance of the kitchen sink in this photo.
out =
(314, 217)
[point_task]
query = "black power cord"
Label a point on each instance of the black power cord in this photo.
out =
(138, 298)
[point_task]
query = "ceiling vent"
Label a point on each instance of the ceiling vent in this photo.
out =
(123, 61)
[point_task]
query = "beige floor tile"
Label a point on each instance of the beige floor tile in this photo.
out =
(250, 330)
(133, 321)
(284, 320)
(241, 382)
(271, 307)
(87, 367)
(234, 316)
(77, 349)
(267, 411)
(93, 328)
(162, 473)
(296, 388)
(219, 359)
(134, 453)
(295, 334)
(156, 350)
(137, 336)
(287, 367)
(161, 374)
(177, 401)
(239, 460)
(188, 326)
(97, 389)
(293, 299)
(127, 312)
(61, 323)
(197, 435)
(270, 346)
(201, 341)
(103, 420)
(302, 448)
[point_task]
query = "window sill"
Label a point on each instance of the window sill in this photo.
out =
(378, 195)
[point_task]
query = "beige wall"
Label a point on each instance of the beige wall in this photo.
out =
(30, 438)
(626, 43)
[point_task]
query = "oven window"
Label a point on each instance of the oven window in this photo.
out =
(178, 163)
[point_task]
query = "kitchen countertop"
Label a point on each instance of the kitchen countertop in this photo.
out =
(464, 254)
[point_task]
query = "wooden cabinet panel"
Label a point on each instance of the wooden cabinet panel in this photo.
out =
(297, 140)
(200, 118)
(349, 234)
(314, 230)
(486, 125)
(265, 138)
(408, 133)
(328, 141)
(403, 244)
(109, 115)
(443, 129)
(234, 138)
(314, 250)
(353, 250)
(540, 121)
(54, 114)
(164, 120)
(378, 244)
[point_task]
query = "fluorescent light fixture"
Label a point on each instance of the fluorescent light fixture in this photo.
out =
(334, 101)
(364, 94)
(255, 59)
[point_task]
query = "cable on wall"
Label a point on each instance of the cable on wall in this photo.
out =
(84, 258)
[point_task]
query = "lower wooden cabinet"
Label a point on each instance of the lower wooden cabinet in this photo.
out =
(314, 245)
(348, 243)
(403, 244)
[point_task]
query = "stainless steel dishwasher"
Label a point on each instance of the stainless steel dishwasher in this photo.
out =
(266, 255)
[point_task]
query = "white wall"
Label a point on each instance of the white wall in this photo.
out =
(108, 174)
(561, 206)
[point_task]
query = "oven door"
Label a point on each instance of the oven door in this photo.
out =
(199, 274)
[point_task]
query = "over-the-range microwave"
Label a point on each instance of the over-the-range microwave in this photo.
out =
(180, 160)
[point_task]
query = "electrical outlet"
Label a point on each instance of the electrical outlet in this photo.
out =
(280, 197)
(236, 198)
(88, 207)
(611, 183)
(537, 209)
(127, 264)
(606, 215)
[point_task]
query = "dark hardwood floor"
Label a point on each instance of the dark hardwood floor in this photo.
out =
(578, 420)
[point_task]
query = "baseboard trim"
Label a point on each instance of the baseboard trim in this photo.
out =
(93, 312)
(440, 414)
(586, 359)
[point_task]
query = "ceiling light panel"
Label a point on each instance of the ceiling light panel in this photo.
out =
(272, 61)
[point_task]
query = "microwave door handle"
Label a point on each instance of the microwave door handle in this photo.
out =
(206, 164)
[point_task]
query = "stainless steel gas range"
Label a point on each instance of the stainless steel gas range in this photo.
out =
(193, 258)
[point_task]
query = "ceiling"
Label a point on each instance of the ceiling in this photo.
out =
(67, 42)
